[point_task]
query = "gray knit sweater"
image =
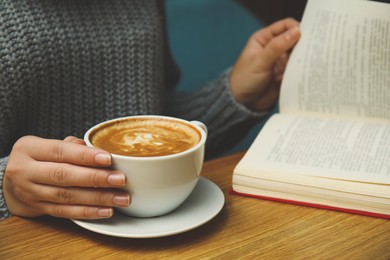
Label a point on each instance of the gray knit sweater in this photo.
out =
(67, 65)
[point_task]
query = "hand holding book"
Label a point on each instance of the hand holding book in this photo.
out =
(256, 76)
(330, 144)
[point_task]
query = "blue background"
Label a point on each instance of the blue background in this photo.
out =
(206, 37)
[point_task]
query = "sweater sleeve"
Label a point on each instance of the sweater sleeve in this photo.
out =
(227, 120)
(4, 212)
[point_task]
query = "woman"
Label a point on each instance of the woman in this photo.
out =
(67, 65)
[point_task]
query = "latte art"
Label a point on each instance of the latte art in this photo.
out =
(146, 137)
(151, 142)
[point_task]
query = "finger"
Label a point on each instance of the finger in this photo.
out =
(76, 211)
(279, 45)
(73, 139)
(265, 35)
(80, 196)
(62, 174)
(68, 152)
(280, 66)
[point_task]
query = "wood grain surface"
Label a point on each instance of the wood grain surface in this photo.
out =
(246, 228)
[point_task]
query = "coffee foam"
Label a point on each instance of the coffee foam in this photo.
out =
(145, 137)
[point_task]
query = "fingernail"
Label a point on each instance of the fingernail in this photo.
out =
(105, 213)
(122, 200)
(292, 33)
(117, 179)
(103, 159)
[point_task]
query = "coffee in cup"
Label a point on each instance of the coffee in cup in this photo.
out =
(145, 137)
(161, 157)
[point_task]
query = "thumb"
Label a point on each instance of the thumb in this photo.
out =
(279, 45)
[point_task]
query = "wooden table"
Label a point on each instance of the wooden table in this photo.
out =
(246, 228)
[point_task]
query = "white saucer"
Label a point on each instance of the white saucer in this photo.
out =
(204, 203)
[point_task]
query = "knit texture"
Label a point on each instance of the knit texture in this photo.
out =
(4, 213)
(67, 65)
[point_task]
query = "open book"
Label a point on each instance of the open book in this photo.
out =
(329, 146)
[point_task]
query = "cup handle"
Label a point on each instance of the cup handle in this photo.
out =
(200, 124)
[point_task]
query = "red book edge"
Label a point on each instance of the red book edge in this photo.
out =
(313, 205)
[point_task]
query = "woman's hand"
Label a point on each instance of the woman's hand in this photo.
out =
(63, 179)
(256, 76)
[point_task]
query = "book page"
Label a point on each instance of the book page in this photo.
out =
(340, 65)
(329, 148)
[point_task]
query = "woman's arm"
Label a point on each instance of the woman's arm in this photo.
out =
(241, 96)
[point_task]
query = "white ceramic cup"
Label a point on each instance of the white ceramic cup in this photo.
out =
(158, 185)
